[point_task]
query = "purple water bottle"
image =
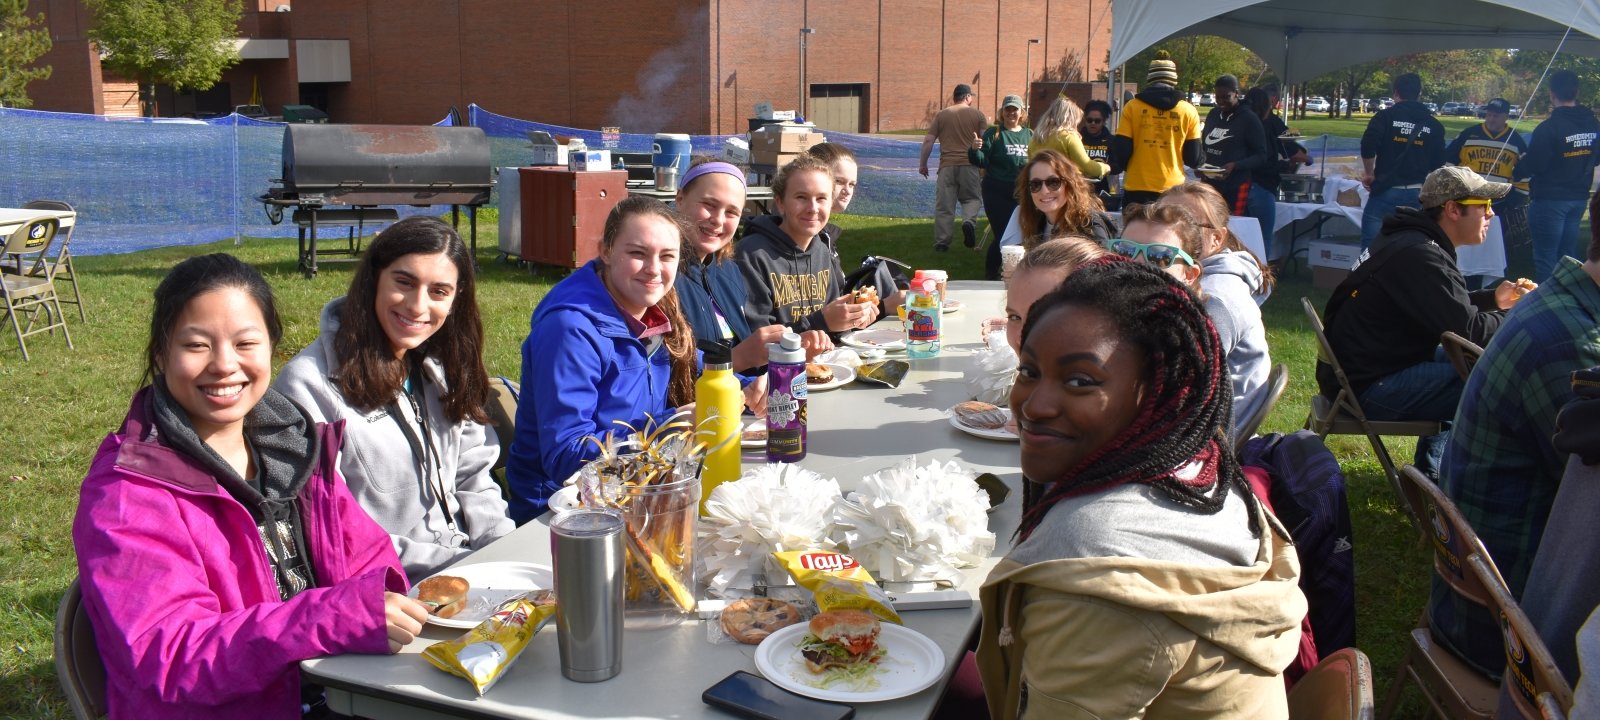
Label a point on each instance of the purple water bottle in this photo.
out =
(786, 400)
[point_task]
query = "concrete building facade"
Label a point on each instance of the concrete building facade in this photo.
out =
(695, 66)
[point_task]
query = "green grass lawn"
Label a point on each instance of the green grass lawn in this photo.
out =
(60, 405)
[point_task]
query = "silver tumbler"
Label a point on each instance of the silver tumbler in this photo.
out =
(588, 549)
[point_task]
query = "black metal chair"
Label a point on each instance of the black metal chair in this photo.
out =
(78, 667)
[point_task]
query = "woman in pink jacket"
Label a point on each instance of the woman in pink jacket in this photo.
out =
(217, 545)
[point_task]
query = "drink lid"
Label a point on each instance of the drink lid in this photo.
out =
(926, 284)
(786, 350)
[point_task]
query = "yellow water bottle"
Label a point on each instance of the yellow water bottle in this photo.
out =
(718, 403)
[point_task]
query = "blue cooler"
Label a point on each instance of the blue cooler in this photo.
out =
(670, 159)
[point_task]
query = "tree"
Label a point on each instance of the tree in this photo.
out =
(1530, 64)
(22, 41)
(182, 43)
(1201, 59)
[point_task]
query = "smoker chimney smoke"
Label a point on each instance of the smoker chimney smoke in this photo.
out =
(660, 101)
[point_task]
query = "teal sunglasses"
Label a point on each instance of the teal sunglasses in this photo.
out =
(1157, 254)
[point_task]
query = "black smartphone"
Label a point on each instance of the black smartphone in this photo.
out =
(753, 696)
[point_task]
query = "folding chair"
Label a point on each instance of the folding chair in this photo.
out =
(26, 296)
(1463, 353)
(1530, 668)
(1277, 381)
(1342, 415)
(1452, 688)
(65, 272)
(78, 667)
(502, 412)
(1548, 709)
(1338, 688)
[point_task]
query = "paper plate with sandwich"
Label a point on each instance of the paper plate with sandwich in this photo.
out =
(850, 656)
(465, 595)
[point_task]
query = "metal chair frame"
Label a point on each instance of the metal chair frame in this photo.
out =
(1452, 688)
(1529, 666)
(1342, 415)
(65, 270)
(1462, 353)
(29, 295)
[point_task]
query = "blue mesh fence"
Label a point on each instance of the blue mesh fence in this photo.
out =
(140, 183)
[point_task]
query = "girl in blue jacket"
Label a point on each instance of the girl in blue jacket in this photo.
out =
(608, 343)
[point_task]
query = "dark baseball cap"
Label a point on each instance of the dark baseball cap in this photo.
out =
(1497, 105)
(963, 90)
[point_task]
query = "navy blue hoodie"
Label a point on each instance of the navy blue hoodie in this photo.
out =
(1561, 158)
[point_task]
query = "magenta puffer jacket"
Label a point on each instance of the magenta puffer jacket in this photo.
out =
(183, 602)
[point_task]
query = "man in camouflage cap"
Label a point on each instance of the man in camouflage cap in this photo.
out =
(1385, 319)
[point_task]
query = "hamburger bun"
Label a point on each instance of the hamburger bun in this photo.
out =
(817, 373)
(865, 295)
(445, 595)
(843, 638)
(975, 414)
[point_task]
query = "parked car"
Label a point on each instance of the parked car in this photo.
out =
(1317, 104)
(1385, 103)
(1208, 99)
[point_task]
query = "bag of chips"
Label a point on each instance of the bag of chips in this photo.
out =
(838, 582)
(483, 654)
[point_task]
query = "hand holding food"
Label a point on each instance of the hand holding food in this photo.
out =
(865, 295)
(403, 619)
(1508, 293)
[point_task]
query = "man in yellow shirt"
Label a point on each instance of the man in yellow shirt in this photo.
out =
(1158, 135)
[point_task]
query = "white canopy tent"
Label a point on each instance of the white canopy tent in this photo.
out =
(1302, 39)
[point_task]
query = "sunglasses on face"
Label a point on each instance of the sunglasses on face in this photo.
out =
(1093, 120)
(1157, 254)
(1473, 201)
(1053, 182)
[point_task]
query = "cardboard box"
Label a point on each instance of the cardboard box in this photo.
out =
(783, 138)
(765, 111)
(546, 151)
(1333, 253)
(1326, 278)
(735, 150)
(589, 160)
(1350, 198)
(772, 160)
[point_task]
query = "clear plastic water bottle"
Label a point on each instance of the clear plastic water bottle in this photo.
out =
(923, 318)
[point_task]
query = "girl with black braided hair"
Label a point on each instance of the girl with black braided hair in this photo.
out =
(1147, 580)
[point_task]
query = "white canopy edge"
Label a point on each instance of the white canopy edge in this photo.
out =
(1323, 36)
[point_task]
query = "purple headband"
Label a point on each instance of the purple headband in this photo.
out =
(711, 167)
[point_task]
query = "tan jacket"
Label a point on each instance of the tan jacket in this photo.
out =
(1125, 637)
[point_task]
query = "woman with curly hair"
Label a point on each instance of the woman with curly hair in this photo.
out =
(1147, 580)
(1054, 200)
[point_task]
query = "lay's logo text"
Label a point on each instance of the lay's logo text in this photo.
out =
(827, 561)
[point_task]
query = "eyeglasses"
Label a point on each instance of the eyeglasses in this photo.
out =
(1053, 182)
(1160, 255)
(1093, 120)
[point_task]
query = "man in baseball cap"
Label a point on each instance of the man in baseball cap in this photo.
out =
(1492, 148)
(1384, 320)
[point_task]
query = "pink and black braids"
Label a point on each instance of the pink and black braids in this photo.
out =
(1188, 402)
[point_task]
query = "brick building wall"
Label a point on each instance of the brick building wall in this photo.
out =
(694, 66)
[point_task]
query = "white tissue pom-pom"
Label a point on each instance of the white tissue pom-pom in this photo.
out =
(772, 508)
(840, 356)
(916, 523)
(994, 368)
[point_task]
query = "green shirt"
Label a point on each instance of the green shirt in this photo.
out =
(1004, 152)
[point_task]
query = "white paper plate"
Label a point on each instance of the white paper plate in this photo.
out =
(842, 375)
(913, 664)
(1210, 170)
(756, 424)
(951, 306)
(999, 433)
(881, 338)
(492, 583)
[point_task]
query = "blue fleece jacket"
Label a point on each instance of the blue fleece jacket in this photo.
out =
(581, 369)
(698, 284)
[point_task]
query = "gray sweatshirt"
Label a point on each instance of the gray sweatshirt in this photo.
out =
(384, 473)
(1229, 280)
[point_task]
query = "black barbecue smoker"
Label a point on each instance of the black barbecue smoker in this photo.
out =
(341, 175)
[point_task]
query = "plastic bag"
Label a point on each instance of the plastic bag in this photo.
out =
(993, 369)
(483, 654)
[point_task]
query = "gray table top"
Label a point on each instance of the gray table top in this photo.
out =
(853, 431)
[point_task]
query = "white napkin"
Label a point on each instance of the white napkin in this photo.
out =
(847, 357)
(772, 508)
(916, 523)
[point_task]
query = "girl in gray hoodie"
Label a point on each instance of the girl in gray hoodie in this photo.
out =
(399, 359)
